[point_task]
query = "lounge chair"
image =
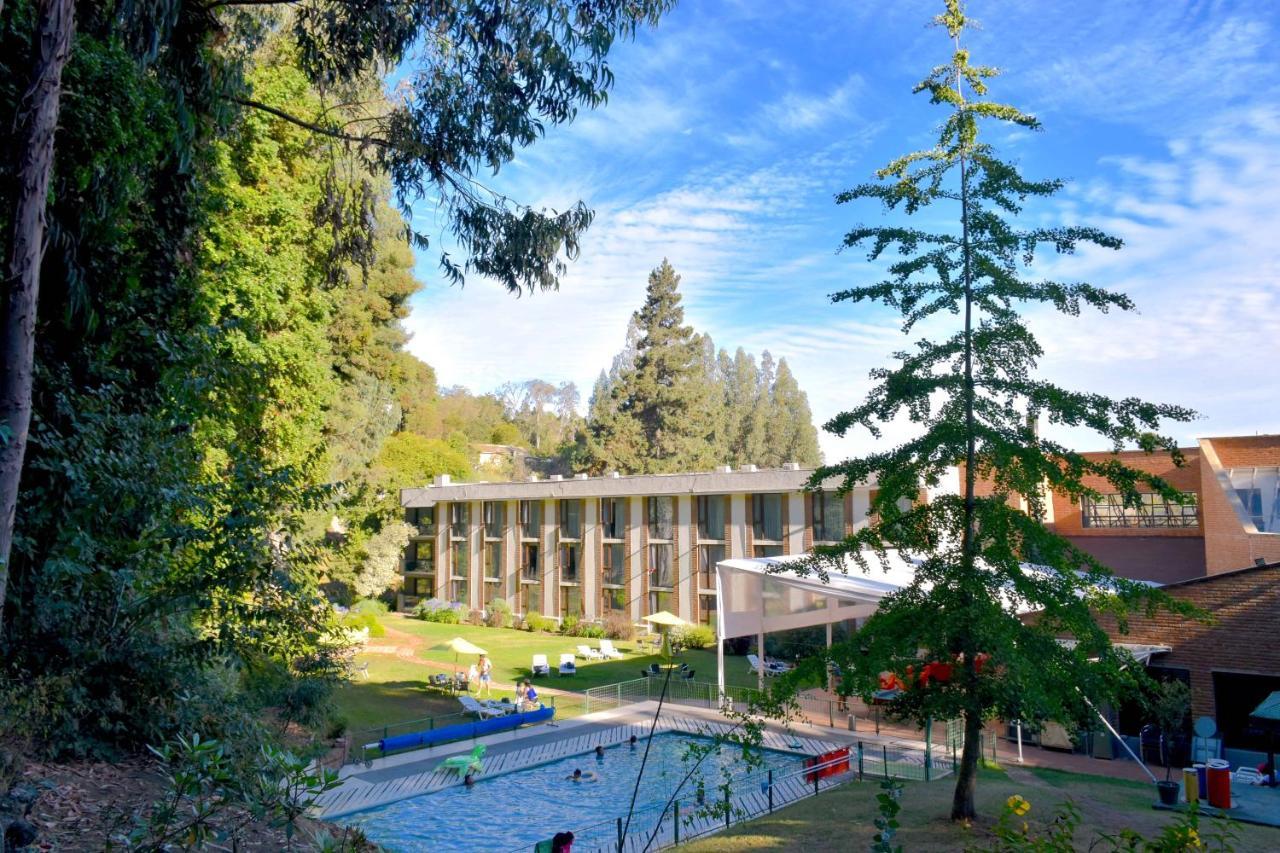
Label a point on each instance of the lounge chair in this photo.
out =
(567, 665)
(654, 669)
(608, 651)
(687, 675)
(463, 763)
(471, 706)
(754, 663)
(589, 653)
(540, 665)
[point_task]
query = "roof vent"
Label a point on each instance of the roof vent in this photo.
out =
(557, 477)
(443, 479)
(724, 469)
(790, 466)
(749, 468)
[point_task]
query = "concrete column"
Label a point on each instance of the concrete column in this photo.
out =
(442, 551)
(550, 559)
(590, 567)
(635, 553)
(686, 536)
(737, 533)
(475, 557)
(795, 523)
(511, 553)
(861, 506)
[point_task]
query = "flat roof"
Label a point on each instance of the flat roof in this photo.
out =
(619, 485)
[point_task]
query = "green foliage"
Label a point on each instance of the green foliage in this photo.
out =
(569, 625)
(212, 795)
(886, 822)
(972, 398)
(694, 636)
(364, 620)
(618, 626)
(376, 606)
(407, 459)
(589, 630)
(536, 622)
(499, 615)
(435, 610)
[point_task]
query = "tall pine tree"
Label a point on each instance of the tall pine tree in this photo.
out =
(791, 436)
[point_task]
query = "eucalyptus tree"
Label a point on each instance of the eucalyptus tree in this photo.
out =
(985, 555)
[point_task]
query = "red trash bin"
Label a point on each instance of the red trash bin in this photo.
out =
(1219, 773)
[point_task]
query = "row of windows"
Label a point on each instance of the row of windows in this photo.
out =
(767, 518)
(1152, 510)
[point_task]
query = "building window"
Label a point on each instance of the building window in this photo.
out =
(570, 562)
(828, 516)
(1259, 492)
(660, 569)
(492, 593)
(711, 517)
(708, 556)
(661, 514)
(493, 561)
(660, 600)
(570, 519)
(460, 558)
(613, 517)
(459, 519)
(529, 565)
(766, 518)
(530, 598)
(460, 591)
(419, 587)
(1152, 510)
(613, 599)
(420, 557)
(423, 518)
(1234, 696)
(570, 601)
(531, 519)
(495, 518)
(614, 570)
(707, 610)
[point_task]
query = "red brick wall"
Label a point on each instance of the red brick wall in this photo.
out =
(1228, 545)
(1067, 516)
(1246, 607)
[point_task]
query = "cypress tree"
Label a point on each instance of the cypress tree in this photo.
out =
(791, 434)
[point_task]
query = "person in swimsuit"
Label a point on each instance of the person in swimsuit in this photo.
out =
(486, 675)
(579, 776)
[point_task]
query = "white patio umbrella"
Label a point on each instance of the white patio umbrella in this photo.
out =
(459, 646)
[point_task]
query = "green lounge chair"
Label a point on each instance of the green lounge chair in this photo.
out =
(463, 763)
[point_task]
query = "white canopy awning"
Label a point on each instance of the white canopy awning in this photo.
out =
(760, 596)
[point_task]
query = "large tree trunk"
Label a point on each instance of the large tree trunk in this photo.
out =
(36, 121)
(962, 807)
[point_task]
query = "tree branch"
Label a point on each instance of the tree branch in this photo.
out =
(311, 126)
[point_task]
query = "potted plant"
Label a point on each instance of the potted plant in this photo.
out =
(1169, 706)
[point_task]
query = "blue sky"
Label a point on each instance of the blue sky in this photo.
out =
(733, 125)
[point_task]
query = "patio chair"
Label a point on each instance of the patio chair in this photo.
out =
(463, 763)
(687, 675)
(567, 665)
(540, 665)
(654, 669)
(471, 706)
(440, 681)
(362, 670)
(754, 663)
(607, 650)
(589, 653)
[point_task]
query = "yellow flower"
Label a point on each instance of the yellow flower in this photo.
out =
(1193, 838)
(1017, 805)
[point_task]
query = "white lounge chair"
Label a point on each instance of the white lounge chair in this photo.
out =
(754, 663)
(540, 665)
(608, 651)
(589, 653)
(567, 665)
(471, 706)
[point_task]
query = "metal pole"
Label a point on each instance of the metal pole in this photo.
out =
(771, 792)
(860, 754)
(619, 835)
(1116, 734)
(677, 821)
(1019, 741)
(884, 756)
(726, 805)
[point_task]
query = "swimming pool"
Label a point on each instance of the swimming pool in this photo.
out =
(516, 810)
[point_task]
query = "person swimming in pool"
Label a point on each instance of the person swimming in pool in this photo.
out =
(579, 776)
(599, 753)
(633, 743)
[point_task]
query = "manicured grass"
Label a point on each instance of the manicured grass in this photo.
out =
(841, 819)
(512, 653)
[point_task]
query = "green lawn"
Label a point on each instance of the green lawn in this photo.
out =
(841, 819)
(394, 693)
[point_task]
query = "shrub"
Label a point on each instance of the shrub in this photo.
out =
(475, 617)
(569, 625)
(617, 626)
(590, 630)
(499, 614)
(694, 637)
(357, 620)
(538, 622)
(336, 727)
(435, 610)
(370, 605)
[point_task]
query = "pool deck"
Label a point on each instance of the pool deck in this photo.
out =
(399, 777)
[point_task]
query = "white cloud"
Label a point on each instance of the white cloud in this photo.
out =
(806, 111)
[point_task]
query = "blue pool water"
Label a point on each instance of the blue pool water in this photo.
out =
(515, 810)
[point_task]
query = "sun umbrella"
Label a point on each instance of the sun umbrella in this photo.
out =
(459, 646)
(662, 617)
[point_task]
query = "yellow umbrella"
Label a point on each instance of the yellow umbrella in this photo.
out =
(663, 617)
(459, 646)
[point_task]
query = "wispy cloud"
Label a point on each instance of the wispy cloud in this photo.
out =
(806, 111)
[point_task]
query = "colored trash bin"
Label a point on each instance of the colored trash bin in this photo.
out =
(1191, 784)
(1219, 773)
(1202, 776)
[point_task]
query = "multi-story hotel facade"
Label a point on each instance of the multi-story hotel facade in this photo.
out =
(588, 546)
